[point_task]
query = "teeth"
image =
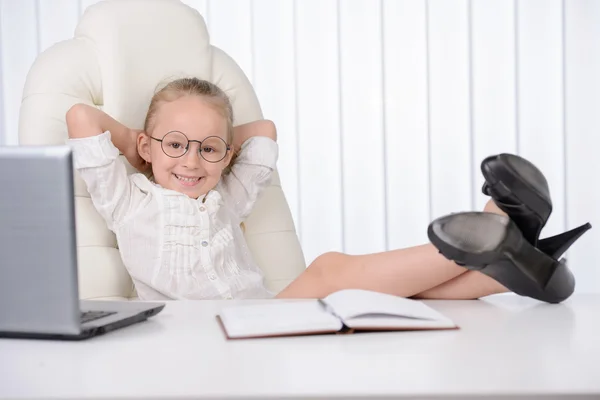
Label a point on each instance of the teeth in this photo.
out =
(181, 178)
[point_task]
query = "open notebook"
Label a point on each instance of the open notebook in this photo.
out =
(345, 311)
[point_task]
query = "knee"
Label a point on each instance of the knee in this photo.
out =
(329, 268)
(328, 261)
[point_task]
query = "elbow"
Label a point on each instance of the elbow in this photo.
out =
(78, 119)
(269, 129)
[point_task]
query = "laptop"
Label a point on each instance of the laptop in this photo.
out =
(39, 296)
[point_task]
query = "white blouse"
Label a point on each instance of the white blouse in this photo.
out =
(173, 246)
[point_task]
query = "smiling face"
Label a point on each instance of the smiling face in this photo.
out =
(197, 119)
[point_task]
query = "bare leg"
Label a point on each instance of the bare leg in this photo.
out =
(407, 272)
(470, 285)
(404, 272)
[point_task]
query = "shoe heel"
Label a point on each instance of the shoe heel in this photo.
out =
(560, 286)
(556, 246)
(494, 245)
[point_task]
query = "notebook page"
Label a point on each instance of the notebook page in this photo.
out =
(278, 319)
(355, 302)
(385, 321)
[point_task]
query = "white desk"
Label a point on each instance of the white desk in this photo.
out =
(506, 346)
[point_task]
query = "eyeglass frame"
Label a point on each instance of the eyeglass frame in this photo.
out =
(227, 148)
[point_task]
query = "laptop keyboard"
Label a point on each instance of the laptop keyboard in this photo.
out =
(87, 316)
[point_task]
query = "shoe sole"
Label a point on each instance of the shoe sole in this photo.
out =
(490, 253)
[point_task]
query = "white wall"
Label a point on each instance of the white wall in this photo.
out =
(386, 108)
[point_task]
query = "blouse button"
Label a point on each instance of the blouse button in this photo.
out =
(212, 277)
(202, 208)
(204, 243)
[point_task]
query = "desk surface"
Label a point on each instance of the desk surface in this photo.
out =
(506, 346)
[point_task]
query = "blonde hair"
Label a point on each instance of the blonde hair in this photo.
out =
(178, 88)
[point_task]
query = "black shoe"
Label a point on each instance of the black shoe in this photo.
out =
(520, 190)
(494, 245)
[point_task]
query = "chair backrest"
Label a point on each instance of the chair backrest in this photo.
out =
(121, 51)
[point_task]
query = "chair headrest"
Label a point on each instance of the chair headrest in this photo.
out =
(123, 50)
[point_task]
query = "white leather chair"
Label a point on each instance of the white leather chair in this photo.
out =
(121, 51)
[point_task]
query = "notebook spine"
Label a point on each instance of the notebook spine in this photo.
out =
(330, 310)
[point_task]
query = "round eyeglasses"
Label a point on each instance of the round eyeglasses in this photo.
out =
(175, 144)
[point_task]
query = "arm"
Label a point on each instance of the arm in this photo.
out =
(252, 169)
(244, 132)
(97, 160)
(86, 121)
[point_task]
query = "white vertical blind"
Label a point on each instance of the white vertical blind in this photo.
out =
(18, 19)
(56, 21)
(582, 124)
(275, 81)
(406, 118)
(493, 83)
(385, 108)
(319, 135)
(362, 140)
(451, 158)
(540, 91)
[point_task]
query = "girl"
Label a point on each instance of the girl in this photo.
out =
(163, 224)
